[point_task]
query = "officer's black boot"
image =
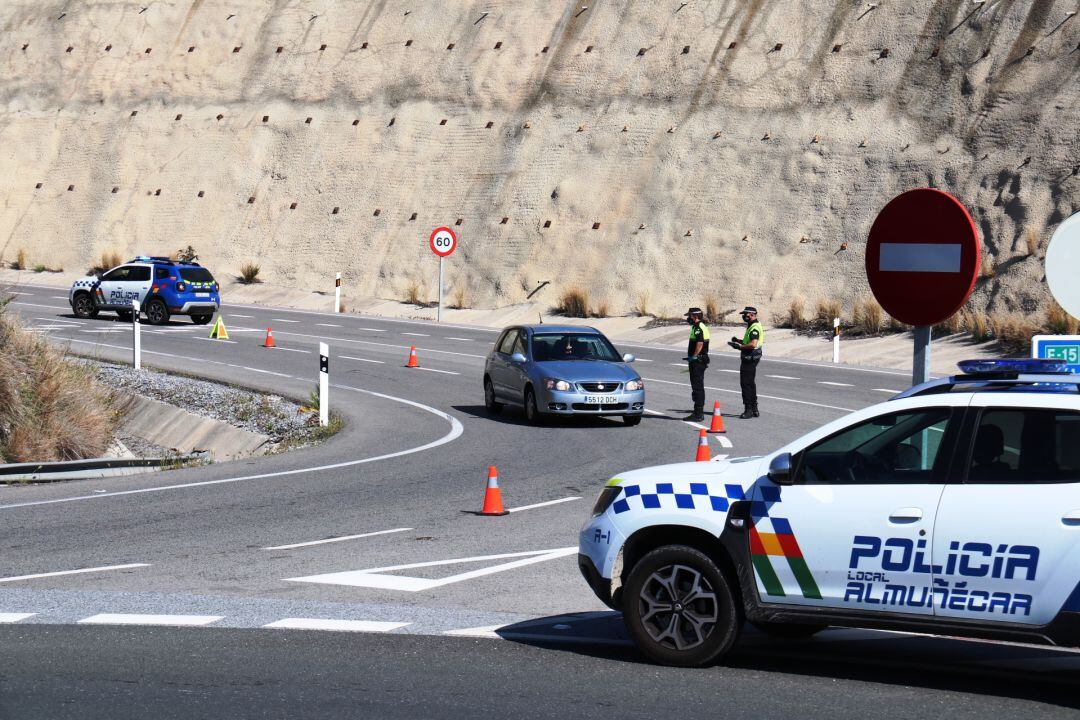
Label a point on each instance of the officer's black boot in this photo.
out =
(756, 413)
(747, 413)
(697, 416)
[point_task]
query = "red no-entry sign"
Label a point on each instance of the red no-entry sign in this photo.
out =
(922, 256)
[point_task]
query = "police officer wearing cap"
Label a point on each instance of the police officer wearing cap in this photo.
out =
(749, 348)
(697, 355)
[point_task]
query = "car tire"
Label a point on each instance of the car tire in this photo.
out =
(532, 413)
(124, 315)
(665, 629)
(632, 420)
(201, 319)
(83, 306)
(790, 631)
(156, 312)
(493, 406)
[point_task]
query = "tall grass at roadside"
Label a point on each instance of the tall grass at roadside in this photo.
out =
(249, 273)
(19, 263)
(574, 302)
(868, 317)
(712, 312)
(414, 293)
(108, 260)
(50, 407)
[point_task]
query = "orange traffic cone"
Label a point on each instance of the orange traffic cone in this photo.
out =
(717, 425)
(413, 362)
(492, 496)
(703, 447)
(269, 338)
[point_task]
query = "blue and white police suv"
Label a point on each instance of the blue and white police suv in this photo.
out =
(952, 508)
(162, 286)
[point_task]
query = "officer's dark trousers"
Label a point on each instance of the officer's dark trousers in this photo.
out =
(697, 385)
(748, 380)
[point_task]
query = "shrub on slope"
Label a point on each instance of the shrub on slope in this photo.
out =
(50, 407)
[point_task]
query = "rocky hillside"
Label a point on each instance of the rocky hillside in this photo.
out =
(738, 148)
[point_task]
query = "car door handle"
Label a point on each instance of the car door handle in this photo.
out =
(1071, 519)
(905, 516)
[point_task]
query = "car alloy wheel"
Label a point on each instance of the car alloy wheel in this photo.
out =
(532, 414)
(156, 312)
(490, 403)
(84, 306)
(680, 608)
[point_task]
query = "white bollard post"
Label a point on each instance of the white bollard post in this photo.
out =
(324, 384)
(136, 336)
(337, 293)
(836, 340)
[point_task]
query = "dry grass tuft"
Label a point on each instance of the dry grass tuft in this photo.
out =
(1059, 322)
(868, 317)
(987, 270)
(20, 260)
(574, 302)
(826, 311)
(249, 273)
(951, 326)
(50, 407)
(1031, 242)
(796, 315)
(712, 312)
(414, 294)
(602, 309)
(459, 301)
(108, 260)
(1014, 332)
(642, 307)
(977, 324)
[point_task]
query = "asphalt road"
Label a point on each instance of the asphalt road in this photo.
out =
(245, 544)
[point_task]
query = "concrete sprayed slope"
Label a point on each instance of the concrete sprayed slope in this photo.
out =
(721, 147)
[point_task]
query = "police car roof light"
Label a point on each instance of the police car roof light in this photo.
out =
(1014, 366)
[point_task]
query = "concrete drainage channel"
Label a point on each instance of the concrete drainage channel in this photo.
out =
(94, 468)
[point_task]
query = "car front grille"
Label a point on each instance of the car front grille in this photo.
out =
(600, 387)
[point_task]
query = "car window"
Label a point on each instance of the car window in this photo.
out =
(196, 274)
(161, 273)
(1026, 446)
(572, 346)
(519, 345)
(117, 274)
(507, 342)
(138, 274)
(895, 448)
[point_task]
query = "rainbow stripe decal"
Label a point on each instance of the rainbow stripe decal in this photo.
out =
(780, 543)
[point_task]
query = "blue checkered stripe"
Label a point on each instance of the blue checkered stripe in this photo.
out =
(699, 497)
(84, 283)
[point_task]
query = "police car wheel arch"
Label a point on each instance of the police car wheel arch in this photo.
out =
(156, 311)
(680, 608)
(83, 305)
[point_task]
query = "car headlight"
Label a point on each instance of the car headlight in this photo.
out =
(607, 496)
(638, 384)
(556, 384)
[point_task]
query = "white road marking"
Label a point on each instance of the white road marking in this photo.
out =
(16, 292)
(368, 626)
(416, 334)
(487, 631)
(282, 320)
(372, 329)
(456, 429)
(260, 370)
(782, 377)
(349, 357)
(327, 325)
(285, 349)
(59, 297)
(723, 440)
(217, 340)
(104, 331)
(461, 339)
(834, 384)
(103, 568)
(15, 617)
(680, 365)
(642, 360)
(132, 619)
(59, 321)
(372, 342)
(246, 317)
(51, 307)
(887, 390)
(336, 539)
(444, 372)
(542, 504)
(374, 577)
(737, 392)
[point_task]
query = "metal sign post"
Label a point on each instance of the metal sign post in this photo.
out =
(324, 384)
(920, 367)
(136, 336)
(443, 242)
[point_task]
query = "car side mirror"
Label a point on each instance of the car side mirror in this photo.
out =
(780, 469)
(628, 358)
(518, 358)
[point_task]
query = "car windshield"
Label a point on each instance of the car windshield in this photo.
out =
(196, 274)
(572, 346)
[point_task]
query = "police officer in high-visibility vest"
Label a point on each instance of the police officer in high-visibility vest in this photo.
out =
(697, 355)
(749, 348)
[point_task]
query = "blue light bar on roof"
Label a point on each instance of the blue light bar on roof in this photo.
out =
(1028, 366)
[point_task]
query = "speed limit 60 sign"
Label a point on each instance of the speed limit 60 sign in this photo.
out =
(443, 241)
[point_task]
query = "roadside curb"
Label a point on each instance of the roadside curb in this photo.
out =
(46, 472)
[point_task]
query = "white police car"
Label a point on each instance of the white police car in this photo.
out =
(162, 286)
(953, 508)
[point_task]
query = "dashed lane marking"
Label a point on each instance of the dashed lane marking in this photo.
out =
(542, 504)
(133, 619)
(368, 626)
(887, 390)
(15, 617)
(103, 568)
(343, 538)
(372, 329)
(280, 320)
(349, 357)
(58, 297)
(834, 384)
(376, 577)
(246, 317)
(460, 339)
(767, 397)
(782, 377)
(259, 370)
(444, 372)
(102, 331)
(327, 325)
(285, 349)
(416, 334)
(642, 360)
